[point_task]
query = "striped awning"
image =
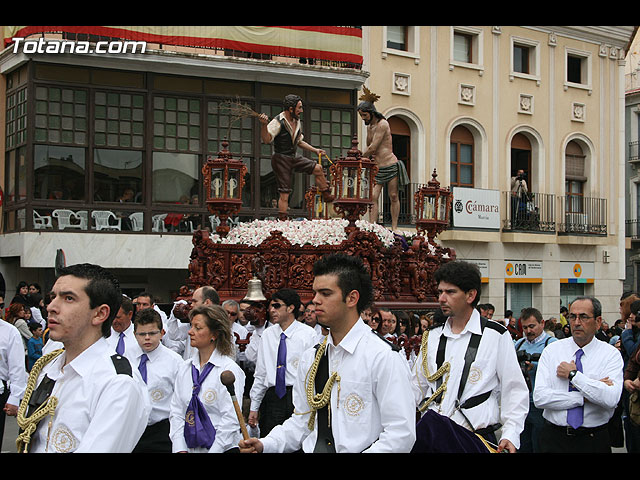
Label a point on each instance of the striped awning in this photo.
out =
(333, 43)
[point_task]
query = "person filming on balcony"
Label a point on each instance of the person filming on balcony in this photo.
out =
(392, 171)
(519, 196)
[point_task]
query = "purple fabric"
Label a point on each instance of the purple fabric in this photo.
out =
(198, 429)
(436, 433)
(120, 346)
(143, 366)
(281, 387)
(575, 414)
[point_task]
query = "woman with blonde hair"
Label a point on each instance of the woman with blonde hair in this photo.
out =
(203, 417)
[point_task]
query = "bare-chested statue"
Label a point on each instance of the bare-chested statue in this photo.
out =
(392, 171)
(285, 134)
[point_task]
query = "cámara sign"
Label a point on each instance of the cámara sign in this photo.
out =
(476, 208)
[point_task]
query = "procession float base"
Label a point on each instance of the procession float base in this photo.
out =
(281, 254)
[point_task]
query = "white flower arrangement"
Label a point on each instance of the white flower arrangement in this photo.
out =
(300, 232)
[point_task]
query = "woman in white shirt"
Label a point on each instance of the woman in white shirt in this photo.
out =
(203, 417)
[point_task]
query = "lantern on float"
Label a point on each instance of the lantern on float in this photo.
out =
(433, 208)
(353, 179)
(223, 184)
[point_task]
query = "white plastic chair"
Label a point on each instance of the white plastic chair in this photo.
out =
(137, 219)
(83, 217)
(41, 221)
(102, 219)
(158, 223)
(64, 217)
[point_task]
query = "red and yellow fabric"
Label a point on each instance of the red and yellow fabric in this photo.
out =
(333, 43)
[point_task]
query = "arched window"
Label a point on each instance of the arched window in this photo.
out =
(462, 153)
(575, 177)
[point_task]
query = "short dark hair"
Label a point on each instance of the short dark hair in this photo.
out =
(531, 312)
(595, 304)
(210, 293)
(289, 297)
(464, 275)
(148, 295)
(147, 316)
(635, 307)
(103, 288)
(352, 275)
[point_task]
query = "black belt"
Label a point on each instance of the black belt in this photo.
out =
(574, 432)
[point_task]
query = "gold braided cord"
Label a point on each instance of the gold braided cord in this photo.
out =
(444, 369)
(318, 400)
(29, 425)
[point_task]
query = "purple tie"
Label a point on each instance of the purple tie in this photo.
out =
(143, 366)
(198, 429)
(120, 346)
(281, 387)
(575, 414)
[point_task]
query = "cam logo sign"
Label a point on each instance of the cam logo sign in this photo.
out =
(577, 272)
(522, 272)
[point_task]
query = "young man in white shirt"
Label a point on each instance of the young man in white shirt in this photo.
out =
(485, 389)
(97, 402)
(158, 365)
(578, 376)
(269, 406)
(366, 402)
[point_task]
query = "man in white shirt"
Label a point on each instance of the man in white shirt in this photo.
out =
(578, 385)
(353, 393)
(95, 401)
(158, 365)
(13, 375)
(122, 339)
(485, 390)
(280, 349)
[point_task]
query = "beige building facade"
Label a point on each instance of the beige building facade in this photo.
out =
(479, 103)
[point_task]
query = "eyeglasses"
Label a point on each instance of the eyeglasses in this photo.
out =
(582, 316)
(150, 334)
(276, 305)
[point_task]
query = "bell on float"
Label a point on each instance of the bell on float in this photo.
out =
(254, 291)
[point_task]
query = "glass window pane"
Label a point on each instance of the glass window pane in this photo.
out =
(461, 48)
(117, 176)
(59, 172)
(175, 177)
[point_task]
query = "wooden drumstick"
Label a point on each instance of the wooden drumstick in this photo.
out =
(228, 378)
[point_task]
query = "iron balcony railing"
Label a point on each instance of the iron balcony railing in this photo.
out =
(529, 212)
(634, 156)
(583, 215)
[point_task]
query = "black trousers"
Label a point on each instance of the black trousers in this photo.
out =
(556, 439)
(155, 439)
(273, 410)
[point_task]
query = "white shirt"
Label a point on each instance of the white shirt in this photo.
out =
(372, 404)
(274, 126)
(216, 400)
(239, 333)
(12, 366)
(300, 337)
(162, 369)
(552, 394)
(132, 348)
(36, 315)
(99, 411)
(251, 352)
(495, 369)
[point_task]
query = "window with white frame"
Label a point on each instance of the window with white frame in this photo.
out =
(577, 68)
(525, 58)
(466, 47)
(401, 40)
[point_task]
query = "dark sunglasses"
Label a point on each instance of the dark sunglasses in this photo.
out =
(276, 305)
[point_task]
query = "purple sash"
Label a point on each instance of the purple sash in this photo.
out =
(436, 433)
(198, 429)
